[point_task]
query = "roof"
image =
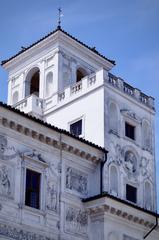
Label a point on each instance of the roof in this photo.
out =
(51, 33)
(51, 126)
(105, 194)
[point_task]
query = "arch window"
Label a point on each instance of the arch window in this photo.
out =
(113, 181)
(32, 82)
(113, 122)
(49, 84)
(80, 73)
(15, 97)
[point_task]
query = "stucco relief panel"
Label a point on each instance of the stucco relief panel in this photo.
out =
(76, 220)
(76, 181)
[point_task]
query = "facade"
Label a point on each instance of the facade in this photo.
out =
(63, 185)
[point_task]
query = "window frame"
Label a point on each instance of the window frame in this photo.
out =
(31, 189)
(134, 127)
(39, 167)
(82, 118)
(135, 187)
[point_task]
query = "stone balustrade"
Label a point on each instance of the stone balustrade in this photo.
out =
(31, 104)
(129, 90)
(36, 105)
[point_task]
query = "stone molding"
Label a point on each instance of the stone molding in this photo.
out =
(48, 140)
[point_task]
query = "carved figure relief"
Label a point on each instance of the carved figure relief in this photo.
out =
(5, 181)
(52, 196)
(76, 220)
(34, 154)
(76, 180)
(130, 162)
(144, 166)
(130, 114)
(6, 152)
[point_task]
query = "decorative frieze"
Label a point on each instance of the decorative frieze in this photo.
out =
(76, 181)
(20, 234)
(76, 220)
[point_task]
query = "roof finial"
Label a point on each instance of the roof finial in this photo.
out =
(59, 18)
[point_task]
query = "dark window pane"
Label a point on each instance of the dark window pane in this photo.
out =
(76, 128)
(131, 193)
(32, 190)
(129, 131)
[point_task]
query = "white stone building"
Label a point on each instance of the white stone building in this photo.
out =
(60, 185)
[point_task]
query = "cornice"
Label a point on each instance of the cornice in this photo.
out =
(35, 135)
(122, 213)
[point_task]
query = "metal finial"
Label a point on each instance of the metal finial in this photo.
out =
(60, 15)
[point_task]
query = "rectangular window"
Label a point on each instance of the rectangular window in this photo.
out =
(129, 131)
(32, 189)
(76, 128)
(131, 193)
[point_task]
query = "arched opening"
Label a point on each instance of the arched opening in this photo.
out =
(32, 82)
(49, 84)
(15, 97)
(147, 196)
(113, 118)
(81, 73)
(146, 135)
(113, 181)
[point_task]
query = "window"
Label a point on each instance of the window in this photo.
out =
(76, 128)
(32, 190)
(131, 193)
(129, 131)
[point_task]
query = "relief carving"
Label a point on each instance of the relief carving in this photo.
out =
(52, 196)
(77, 181)
(5, 181)
(20, 234)
(144, 166)
(130, 114)
(6, 152)
(130, 162)
(34, 154)
(76, 220)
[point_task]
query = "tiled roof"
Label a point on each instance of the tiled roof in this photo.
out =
(51, 33)
(52, 127)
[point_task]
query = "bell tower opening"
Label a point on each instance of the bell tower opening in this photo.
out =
(81, 73)
(32, 82)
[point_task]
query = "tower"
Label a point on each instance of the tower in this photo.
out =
(68, 84)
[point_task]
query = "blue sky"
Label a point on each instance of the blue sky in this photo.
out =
(126, 31)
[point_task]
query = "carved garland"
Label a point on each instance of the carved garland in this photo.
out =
(47, 140)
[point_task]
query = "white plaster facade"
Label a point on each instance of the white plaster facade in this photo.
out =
(105, 104)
